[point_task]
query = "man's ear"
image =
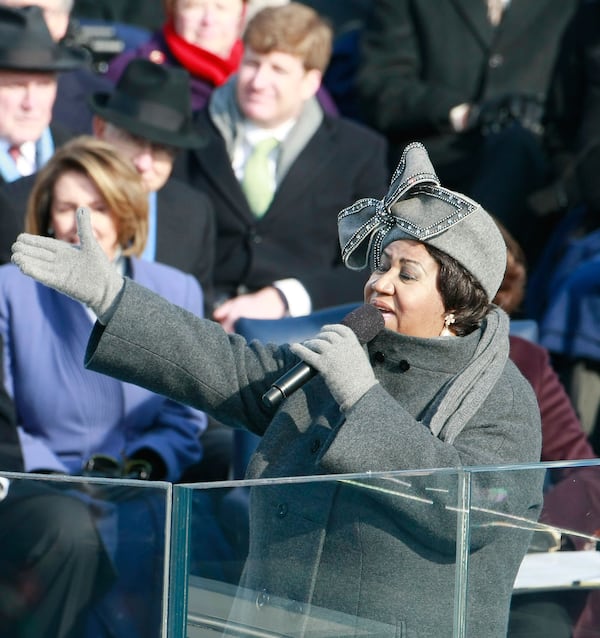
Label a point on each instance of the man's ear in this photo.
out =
(310, 83)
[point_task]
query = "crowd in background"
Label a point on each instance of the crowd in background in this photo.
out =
(246, 145)
(505, 103)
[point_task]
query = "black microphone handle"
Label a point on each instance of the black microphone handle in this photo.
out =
(285, 385)
(365, 321)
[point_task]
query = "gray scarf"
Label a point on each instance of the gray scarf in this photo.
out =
(226, 116)
(463, 395)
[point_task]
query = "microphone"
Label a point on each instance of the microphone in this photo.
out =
(365, 321)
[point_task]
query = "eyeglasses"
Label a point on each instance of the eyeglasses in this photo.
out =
(137, 144)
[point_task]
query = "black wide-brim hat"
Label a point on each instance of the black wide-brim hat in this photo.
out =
(151, 101)
(26, 43)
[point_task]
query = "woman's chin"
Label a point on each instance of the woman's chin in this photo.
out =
(390, 321)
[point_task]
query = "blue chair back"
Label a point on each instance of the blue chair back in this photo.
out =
(291, 329)
(525, 328)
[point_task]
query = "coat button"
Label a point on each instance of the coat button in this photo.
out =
(379, 357)
(496, 61)
(315, 445)
(282, 510)
(403, 365)
(262, 598)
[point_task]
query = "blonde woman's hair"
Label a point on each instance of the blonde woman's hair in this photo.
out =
(116, 179)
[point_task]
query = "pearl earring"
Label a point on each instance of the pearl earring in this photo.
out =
(449, 319)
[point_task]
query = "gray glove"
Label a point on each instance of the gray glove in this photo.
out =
(81, 272)
(336, 353)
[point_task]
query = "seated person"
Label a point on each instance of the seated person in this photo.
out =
(572, 498)
(71, 420)
(277, 169)
(53, 592)
(436, 261)
(204, 40)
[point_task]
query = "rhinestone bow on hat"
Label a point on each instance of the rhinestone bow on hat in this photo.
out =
(416, 207)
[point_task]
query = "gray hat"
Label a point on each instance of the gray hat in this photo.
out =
(417, 207)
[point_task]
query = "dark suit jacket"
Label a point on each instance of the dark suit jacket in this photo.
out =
(421, 58)
(185, 236)
(297, 237)
(71, 107)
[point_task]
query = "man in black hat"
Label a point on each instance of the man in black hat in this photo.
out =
(71, 108)
(147, 116)
(29, 63)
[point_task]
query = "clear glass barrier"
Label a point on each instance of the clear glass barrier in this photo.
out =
(428, 553)
(557, 589)
(93, 548)
(327, 557)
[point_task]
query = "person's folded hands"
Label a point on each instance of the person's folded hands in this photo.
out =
(337, 354)
(82, 272)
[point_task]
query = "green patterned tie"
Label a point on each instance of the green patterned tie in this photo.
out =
(257, 182)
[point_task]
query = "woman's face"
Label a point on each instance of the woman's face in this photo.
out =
(406, 291)
(213, 25)
(72, 190)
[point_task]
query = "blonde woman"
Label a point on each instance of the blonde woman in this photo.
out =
(74, 421)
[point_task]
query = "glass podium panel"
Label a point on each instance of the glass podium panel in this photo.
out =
(461, 553)
(324, 557)
(557, 588)
(83, 555)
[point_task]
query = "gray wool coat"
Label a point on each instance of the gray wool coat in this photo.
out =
(383, 550)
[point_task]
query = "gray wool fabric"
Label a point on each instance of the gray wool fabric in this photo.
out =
(381, 550)
(417, 207)
(82, 272)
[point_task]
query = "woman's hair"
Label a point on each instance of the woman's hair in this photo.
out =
(116, 179)
(511, 293)
(293, 28)
(461, 293)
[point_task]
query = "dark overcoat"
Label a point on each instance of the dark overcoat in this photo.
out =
(297, 237)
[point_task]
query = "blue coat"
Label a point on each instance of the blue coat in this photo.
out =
(67, 413)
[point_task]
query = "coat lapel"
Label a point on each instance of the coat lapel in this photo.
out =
(474, 14)
(170, 219)
(523, 16)
(214, 163)
(301, 174)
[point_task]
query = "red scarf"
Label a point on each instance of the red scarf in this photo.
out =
(200, 62)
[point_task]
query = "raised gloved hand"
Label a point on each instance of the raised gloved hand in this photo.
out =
(336, 353)
(81, 272)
